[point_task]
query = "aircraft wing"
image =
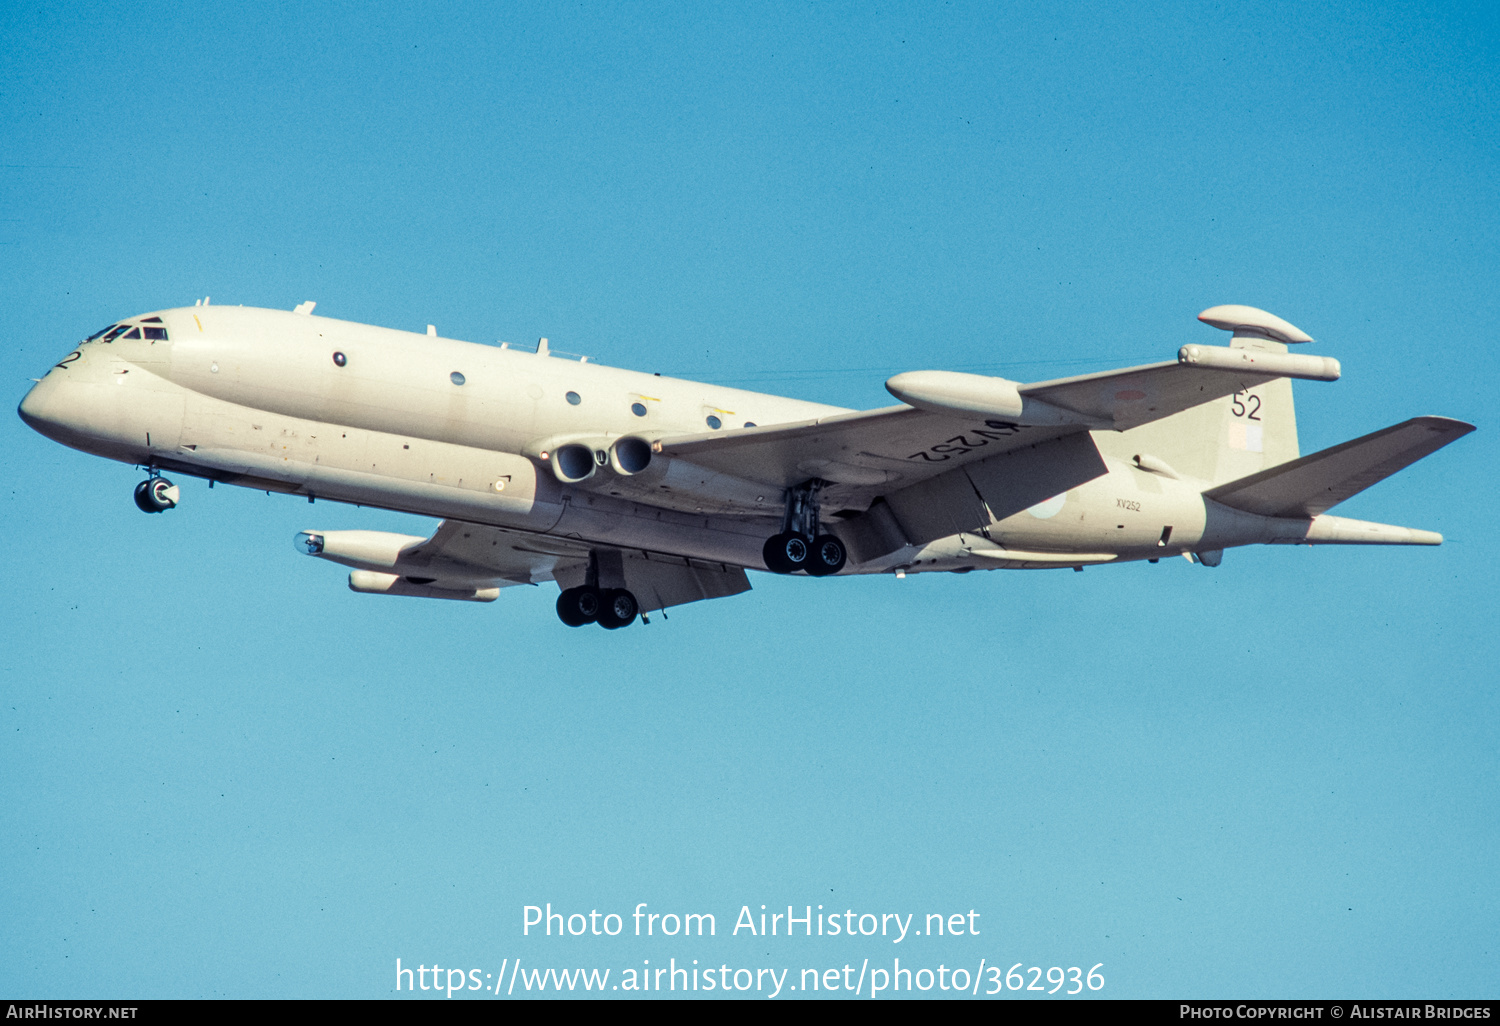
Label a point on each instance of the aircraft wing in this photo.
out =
(464, 551)
(459, 550)
(865, 451)
(1128, 398)
(868, 452)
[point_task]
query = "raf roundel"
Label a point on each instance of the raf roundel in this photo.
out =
(1050, 508)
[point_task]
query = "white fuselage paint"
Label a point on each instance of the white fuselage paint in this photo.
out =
(254, 397)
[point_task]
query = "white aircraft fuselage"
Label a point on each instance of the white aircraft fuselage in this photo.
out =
(546, 447)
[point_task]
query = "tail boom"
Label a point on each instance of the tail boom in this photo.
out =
(1330, 530)
(1226, 527)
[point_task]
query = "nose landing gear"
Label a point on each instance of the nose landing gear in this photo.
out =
(799, 546)
(156, 495)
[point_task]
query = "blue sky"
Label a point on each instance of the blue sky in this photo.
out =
(227, 775)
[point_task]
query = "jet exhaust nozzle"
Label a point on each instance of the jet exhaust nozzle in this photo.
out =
(574, 463)
(630, 455)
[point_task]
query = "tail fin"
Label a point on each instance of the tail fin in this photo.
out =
(1241, 434)
(1314, 484)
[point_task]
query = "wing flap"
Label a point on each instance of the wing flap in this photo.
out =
(1314, 484)
(975, 496)
(459, 550)
(659, 581)
(464, 550)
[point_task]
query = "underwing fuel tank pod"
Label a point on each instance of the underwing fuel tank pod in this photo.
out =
(634, 492)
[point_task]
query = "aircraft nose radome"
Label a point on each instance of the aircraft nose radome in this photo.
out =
(38, 407)
(31, 406)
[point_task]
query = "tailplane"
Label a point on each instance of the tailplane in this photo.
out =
(1314, 484)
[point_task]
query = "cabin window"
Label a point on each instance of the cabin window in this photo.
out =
(339, 359)
(574, 398)
(749, 423)
(456, 378)
(639, 409)
(714, 422)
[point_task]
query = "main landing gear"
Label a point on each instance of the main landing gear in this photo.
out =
(156, 494)
(610, 608)
(799, 546)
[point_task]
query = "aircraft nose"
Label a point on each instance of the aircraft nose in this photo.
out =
(40, 407)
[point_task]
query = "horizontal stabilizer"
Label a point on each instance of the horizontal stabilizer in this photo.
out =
(1313, 484)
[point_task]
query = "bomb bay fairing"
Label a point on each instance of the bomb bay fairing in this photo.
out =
(636, 492)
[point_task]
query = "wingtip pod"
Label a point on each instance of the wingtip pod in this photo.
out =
(1254, 323)
(1286, 365)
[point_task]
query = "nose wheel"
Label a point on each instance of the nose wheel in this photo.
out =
(156, 495)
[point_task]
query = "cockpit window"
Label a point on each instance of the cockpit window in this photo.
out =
(115, 333)
(134, 333)
(151, 320)
(155, 334)
(97, 334)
